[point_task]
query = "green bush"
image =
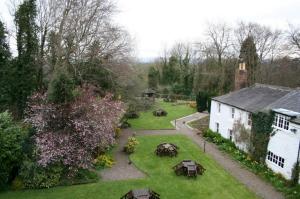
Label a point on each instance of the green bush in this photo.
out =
(118, 132)
(103, 161)
(36, 176)
(17, 184)
(61, 88)
(12, 138)
(131, 145)
(82, 176)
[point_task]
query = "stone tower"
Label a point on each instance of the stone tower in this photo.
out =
(241, 75)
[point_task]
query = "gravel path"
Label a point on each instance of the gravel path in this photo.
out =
(123, 170)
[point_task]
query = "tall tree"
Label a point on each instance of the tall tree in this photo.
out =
(153, 77)
(26, 70)
(249, 55)
(4, 69)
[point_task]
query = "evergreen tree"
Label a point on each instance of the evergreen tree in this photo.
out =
(4, 70)
(153, 78)
(249, 55)
(26, 70)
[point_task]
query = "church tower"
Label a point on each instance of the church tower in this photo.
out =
(241, 76)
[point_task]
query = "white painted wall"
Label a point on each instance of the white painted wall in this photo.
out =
(225, 120)
(284, 144)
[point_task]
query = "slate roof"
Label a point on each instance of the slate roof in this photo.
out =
(291, 102)
(260, 97)
(296, 120)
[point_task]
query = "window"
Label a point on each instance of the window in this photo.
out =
(230, 134)
(275, 159)
(249, 119)
(232, 112)
(219, 107)
(281, 121)
(217, 126)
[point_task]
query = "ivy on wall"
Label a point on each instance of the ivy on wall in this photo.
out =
(261, 130)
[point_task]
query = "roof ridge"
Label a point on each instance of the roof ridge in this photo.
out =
(273, 87)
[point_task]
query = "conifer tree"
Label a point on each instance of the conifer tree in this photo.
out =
(26, 71)
(5, 56)
(249, 55)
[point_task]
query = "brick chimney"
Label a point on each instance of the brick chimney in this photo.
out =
(241, 76)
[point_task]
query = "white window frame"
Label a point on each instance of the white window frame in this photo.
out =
(275, 159)
(281, 121)
(219, 107)
(232, 113)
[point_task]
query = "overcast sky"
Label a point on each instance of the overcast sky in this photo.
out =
(157, 24)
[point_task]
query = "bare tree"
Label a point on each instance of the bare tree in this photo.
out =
(293, 38)
(267, 41)
(219, 36)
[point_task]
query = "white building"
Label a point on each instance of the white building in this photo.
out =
(283, 147)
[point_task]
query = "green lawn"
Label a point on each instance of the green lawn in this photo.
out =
(148, 121)
(215, 183)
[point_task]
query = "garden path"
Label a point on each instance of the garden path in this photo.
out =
(123, 169)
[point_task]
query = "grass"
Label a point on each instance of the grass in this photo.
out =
(148, 121)
(215, 183)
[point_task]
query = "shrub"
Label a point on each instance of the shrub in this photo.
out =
(35, 176)
(103, 161)
(193, 104)
(61, 88)
(132, 115)
(118, 132)
(12, 138)
(160, 112)
(131, 145)
(202, 99)
(17, 184)
(82, 176)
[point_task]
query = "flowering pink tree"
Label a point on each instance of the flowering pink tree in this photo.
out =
(71, 133)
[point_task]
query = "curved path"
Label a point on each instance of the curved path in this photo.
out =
(123, 170)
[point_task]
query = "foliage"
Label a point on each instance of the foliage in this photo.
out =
(201, 124)
(131, 145)
(160, 112)
(82, 176)
(256, 167)
(193, 104)
(118, 132)
(26, 72)
(241, 134)
(71, 133)
(260, 135)
(36, 176)
(60, 88)
(12, 137)
(131, 114)
(249, 55)
(153, 77)
(5, 55)
(158, 172)
(103, 161)
(295, 174)
(17, 184)
(202, 99)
